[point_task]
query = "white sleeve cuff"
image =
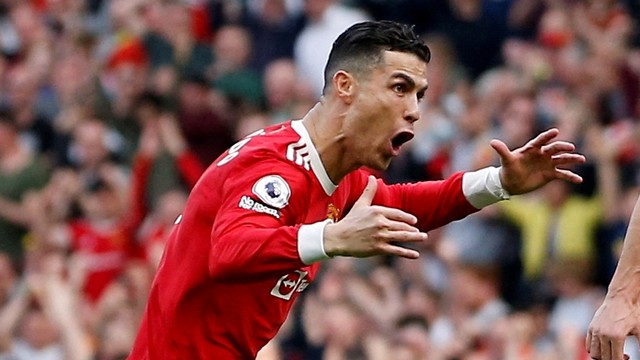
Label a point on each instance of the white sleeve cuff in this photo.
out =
(311, 242)
(483, 187)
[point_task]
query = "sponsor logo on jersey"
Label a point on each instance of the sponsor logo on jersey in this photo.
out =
(250, 204)
(273, 190)
(289, 284)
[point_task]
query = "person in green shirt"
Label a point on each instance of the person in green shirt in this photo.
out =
(21, 170)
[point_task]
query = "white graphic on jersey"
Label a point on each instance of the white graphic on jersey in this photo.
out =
(299, 154)
(178, 220)
(250, 204)
(234, 150)
(273, 191)
(290, 283)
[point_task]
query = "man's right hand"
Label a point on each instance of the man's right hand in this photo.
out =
(369, 230)
(616, 319)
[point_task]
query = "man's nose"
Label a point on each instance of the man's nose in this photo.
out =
(412, 112)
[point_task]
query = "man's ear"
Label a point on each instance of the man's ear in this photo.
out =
(344, 85)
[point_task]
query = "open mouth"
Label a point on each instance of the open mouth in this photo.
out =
(401, 138)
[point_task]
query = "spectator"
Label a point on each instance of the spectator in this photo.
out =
(477, 29)
(40, 322)
(476, 307)
(102, 236)
(326, 19)
(207, 132)
(274, 26)
(92, 144)
(577, 300)
(162, 154)
(21, 170)
(230, 71)
(288, 96)
(162, 149)
(525, 333)
(568, 229)
(35, 129)
(170, 41)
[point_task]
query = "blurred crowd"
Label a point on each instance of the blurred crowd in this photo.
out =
(111, 110)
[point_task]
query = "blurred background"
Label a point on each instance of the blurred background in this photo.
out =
(110, 111)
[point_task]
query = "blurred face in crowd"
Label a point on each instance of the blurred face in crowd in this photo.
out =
(194, 97)
(344, 324)
(232, 46)
(101, 204)
(314, 9)
(176, 19)
(518, 120)
(130, 80)
(419, 301)
(556, 193)
(463, 287)
(440, 68)
(600, 11)
(163, 80)
(383, 107)
(8, 136)
(28, 24)
(7, 276)
(123, 12)
(570, 277)
(38, 330)
(280, 83)
(413, 341)
(22, 87)
(170, 206)
(69, 77)
(555, 29)
(249, 124)
(475, 120)
(89, 143)
(474, 285)
(146, 113)
(273, 11)
(118, 335)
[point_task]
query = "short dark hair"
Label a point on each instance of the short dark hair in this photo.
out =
(360, 47)
(7, 116)
(152, 99)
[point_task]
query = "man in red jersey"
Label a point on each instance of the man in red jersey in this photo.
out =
(267, 212)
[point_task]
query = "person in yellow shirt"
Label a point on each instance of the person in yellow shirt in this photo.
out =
(558, 223)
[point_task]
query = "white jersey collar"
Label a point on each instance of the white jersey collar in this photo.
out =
(316, 163)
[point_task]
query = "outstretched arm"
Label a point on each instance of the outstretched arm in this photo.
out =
(619, 314)
(536, 163)
(436, 203)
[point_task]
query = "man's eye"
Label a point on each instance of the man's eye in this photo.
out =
(398, 88)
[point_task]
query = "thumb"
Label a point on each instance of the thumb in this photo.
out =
(368, 193)
(502, 149)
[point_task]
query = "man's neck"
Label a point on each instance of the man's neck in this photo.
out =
(324, 125)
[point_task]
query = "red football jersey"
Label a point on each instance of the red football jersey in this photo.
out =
(250, 239)
(105, 252)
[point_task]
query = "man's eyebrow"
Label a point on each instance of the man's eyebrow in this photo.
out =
(408, 79)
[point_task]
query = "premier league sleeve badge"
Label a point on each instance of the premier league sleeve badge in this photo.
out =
(273, 190)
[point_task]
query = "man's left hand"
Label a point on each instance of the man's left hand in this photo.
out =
(536, 163)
